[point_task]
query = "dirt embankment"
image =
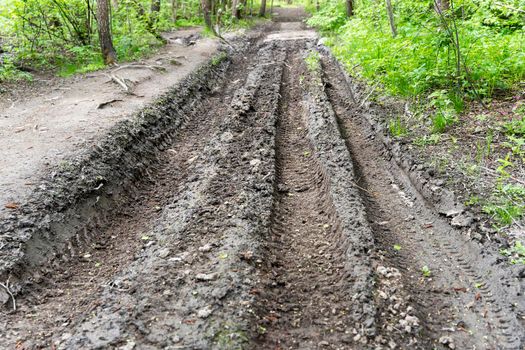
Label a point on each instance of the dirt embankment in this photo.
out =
(252, 207)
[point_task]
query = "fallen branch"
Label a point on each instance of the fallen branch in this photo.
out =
(6, 287)
(104, 104)
(368, 96)
(139, 66)
(120, 81)
(510, 177)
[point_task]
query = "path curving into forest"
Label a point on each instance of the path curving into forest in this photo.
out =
(250, 208)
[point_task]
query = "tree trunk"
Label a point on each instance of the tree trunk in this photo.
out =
(235, 9)
(206, 9)
(104, 32)
(349, 8)
(174, 10)
(262, 10)
(155, 6)
(155, 9)
(391, 17)
(244, 8)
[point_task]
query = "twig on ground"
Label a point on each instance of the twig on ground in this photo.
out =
(120, 82)
(138, 66)
(6, 287)
(510, 177)
(363, 189)
(104, 104)
(368, 96)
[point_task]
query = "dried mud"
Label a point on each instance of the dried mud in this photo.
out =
(252, 207)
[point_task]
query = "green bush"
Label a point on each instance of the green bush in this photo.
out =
(421, 58)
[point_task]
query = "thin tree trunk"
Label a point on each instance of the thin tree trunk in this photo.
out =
(174, 5)
(206, 12)
(155, 9)
(349, 8)
(391, 17)
(235, 9)
(262, 10)
(104, 33)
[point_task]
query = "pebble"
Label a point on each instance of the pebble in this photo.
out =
(205, 312)
(163, 253)
(205, 248)
(255, 162)
(461, 221)
(130, 345)
(206, 277)
(448, 341)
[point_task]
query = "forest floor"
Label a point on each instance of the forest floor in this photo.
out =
(255, 205)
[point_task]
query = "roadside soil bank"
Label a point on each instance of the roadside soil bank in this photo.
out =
(53, 118)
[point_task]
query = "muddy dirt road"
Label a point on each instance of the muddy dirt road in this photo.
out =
(252, 207)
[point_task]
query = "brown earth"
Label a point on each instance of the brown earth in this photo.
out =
(252, 207)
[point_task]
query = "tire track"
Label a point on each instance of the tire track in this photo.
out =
(316, 271)
(463, 282)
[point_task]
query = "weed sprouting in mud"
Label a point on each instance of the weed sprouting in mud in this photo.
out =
(427, 140)
(218, 59)
(506, 204)
(230, 337)
(313, 61)
(515, 253)
(397, 128)
(425, 271)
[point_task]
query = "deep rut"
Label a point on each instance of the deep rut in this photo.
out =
(462, 303)
(302, 308)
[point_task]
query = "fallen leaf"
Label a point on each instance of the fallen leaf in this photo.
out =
(12, 205)
(478, 296)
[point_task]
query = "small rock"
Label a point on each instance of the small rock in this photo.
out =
(205, 312)
(205, 248)
(4, 297)
(130, 345)
(204, 277)
(255, 162)
(452, 212)
(227, 136)
(461, 221)
(179, 258)
(323, 343)
(176, 339)
(448, 341)
(163, 253)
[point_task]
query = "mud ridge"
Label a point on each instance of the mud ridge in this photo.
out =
(472, 290)
(81, 193)
(315, 277)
